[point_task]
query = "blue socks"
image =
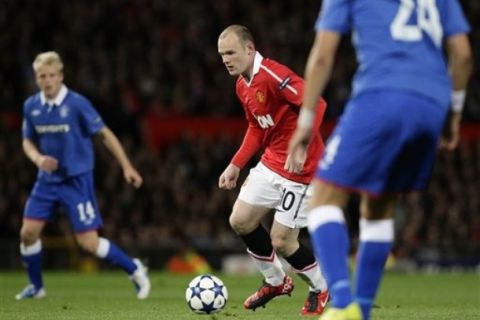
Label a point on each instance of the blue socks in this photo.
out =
(112, 253)
(330, 240)
(376, 238)
(32, 259)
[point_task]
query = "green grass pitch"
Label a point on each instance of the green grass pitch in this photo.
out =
(110, 295)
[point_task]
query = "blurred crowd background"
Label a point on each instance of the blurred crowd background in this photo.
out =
(145, 60)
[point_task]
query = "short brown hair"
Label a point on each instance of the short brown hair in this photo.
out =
(242, 32)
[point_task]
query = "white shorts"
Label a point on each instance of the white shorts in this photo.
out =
(265, 188)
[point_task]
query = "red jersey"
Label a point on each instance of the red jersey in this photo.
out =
(271, 101)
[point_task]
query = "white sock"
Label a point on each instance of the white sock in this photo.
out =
(312, 275)
(32, 249)
(270, 267)
(103, 247)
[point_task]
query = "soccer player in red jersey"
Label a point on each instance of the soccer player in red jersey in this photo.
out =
(271, 95)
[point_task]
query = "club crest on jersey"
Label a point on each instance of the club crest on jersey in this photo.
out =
(260, 96)
(36, 113)
(64, 110)
(264, 121)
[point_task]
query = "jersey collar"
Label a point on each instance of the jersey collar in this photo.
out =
(257, 61)
(58, 99)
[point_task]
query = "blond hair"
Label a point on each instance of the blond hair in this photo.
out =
(47, 58)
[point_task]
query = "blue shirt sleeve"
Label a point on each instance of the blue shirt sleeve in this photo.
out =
(453, 20)
(91, 119)
(28, 131)
(334, 16)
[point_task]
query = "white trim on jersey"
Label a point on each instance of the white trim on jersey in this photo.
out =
(257, 62)
(280, 80)
(57, 101)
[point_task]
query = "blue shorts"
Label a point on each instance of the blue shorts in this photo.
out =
(76, 195)
(385, 142)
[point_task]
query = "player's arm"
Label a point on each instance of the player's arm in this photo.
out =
(43, 162)
(252, 142)
(29, 136)
(111, 141)
(291, 89)
(460, 67)
(317, 73)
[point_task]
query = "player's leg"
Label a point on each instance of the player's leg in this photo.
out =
(245, 220)
(105, 249)
(38, 209)
(376, 239)
(358, 157)
(77, 195)
(31, 251)
(256, 198)
(108, 250)
(330, 239)
(285, 242)
(408, 159)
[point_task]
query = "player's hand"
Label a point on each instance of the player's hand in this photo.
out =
(451, 135)
(46, 163)
(297, 149)
(228, 179)
(295, 164)
(133, 177)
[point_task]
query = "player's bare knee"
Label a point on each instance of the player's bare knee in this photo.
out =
(377, 208)
(240, 225)
(89, 245)
(28, 236)
(281, 245)
(327, 194)
(237, 225)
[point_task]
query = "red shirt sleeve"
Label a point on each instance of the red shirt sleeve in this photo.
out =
(252, 142)
(286, 83)
(290, 87)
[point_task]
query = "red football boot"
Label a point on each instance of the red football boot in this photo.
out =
(267, 292)
(315, 303)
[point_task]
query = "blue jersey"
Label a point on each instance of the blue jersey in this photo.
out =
(62, 131)
(399, 43)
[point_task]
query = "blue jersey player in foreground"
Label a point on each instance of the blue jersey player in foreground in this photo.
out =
(58, 127)
(386, 140)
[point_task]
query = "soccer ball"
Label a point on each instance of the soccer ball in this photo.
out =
(206, 294)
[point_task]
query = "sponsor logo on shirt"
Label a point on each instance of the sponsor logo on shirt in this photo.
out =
(284, 83)
(36, 113)
(53, 128)
(260, 96)
(264, 121)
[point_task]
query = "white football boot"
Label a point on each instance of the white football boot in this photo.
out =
(140, 280)
(31, 293)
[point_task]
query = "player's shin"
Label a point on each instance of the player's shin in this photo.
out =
(112, 253)
(376, 238)
(307, 268)
(261, 251)
(329, 237)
